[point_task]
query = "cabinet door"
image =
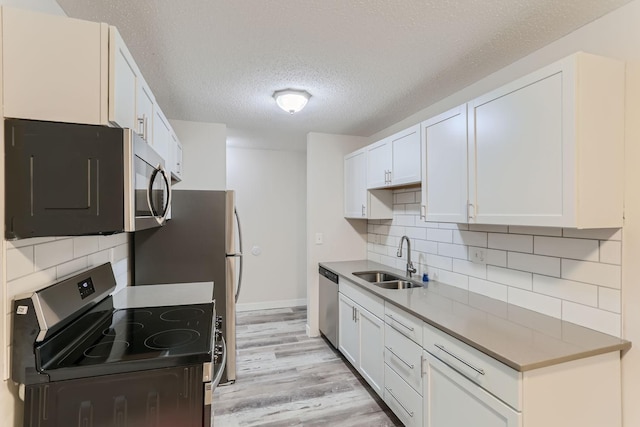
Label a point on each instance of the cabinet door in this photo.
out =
(406, 157)
(144, 110)
(54, 68)
(348, 336)
(355, 184)
(379, 163)
(516, 154)
(444, 167)
(123, 73)
(371, 349)
(176, 158)
(453, 401)
(161, 136)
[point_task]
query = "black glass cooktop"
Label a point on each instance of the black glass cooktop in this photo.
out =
(140, 335)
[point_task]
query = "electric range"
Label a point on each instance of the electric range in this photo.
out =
(88, 357)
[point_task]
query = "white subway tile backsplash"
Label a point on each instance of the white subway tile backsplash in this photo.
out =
(548, 266)
(487, 288)
(30, 283)
(453, 279)
(470, 269)
(600, 320)
(592, 272)
(566, 248)
(29, 242)
(410, 197)
(511, 242)
(71, 267)
(611, 252)
(119, 253)
(19, 262)
(538, 231)
(99, 258)
(599, 233)
(426, 246)
(453, 251)
(404, 220)
(530, 300)
(565, 273)
(416, 233)
(113, 240)
(440, 235)
(440, 262)
(578, 292)
(518, 279)
(609, 299)
(53, 253)
(489, 228)
(85, 245)
(470, 238)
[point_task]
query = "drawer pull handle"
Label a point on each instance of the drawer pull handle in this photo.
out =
(400, 323)
(478, 370)
(410, 413)
(398, 357)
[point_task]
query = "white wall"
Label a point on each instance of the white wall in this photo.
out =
(204, 155)
(615, 35)
(270, 190)
(342, 239)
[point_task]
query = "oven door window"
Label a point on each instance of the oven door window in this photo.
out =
(151, 190)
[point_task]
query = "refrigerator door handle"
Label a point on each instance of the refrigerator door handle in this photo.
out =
(239, 254)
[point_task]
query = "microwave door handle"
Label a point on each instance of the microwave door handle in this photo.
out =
(150, 192)
(168, 204)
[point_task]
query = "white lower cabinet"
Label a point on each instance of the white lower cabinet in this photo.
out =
(361, 336)
(452, 400)
(403, 400)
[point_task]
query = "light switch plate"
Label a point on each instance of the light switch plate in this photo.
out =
(318, 238)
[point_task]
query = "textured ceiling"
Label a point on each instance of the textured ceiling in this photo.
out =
(367, 63)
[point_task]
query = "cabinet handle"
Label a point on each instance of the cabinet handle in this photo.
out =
(423, 212)
(410, 413)
(398, 357)
(472, 211)
(422, 369)
(390, 176)
(478, 370)
(363, 211)
(399, 323)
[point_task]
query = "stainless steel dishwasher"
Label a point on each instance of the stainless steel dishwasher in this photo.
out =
(328, 285)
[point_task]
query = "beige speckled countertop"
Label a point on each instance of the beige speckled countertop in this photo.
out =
(520, 338)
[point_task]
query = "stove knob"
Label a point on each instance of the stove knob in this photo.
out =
(218, 335)
(218, 322)
(215, 358)
(217, 350)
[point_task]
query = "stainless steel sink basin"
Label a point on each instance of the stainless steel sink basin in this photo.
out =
(376, 276)
(397, 284)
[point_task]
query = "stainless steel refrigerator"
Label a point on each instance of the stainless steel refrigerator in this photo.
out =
(201, 243)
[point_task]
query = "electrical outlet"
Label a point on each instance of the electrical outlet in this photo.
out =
(478, 255)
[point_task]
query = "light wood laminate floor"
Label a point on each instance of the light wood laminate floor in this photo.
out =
(288, 379)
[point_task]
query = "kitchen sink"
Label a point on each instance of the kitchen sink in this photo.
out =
(397, 284)
(377, 276)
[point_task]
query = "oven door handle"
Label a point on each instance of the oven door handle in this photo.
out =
(218, 377)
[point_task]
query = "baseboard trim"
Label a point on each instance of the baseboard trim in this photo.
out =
(251, 306)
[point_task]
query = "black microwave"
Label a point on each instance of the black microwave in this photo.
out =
(64, 179)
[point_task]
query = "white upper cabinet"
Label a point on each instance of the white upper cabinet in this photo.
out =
(131, 102)
(395, 160)
(123, 73)
(444, 167)
(547, 149)
(379, 164)
(406, 156)
(162, 137)
(53, 67)
(175, 157)
(358, 201)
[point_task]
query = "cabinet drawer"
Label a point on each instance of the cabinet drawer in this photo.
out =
(407, 324)
(364, 298)
(402, 399)
(495, 377)
(404, 357)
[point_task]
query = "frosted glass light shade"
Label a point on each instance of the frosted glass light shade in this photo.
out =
(291, 100)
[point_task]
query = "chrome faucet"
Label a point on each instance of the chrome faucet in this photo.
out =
(410, 268)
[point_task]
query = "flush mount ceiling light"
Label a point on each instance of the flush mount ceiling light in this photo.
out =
(291, 100)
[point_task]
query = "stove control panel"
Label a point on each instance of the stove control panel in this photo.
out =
(86, 288)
